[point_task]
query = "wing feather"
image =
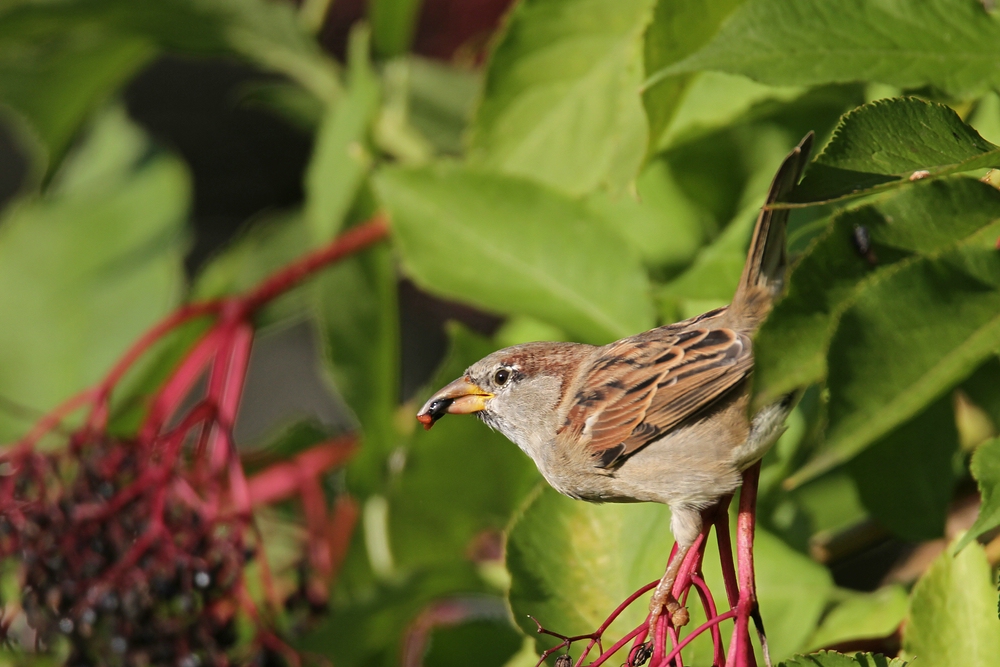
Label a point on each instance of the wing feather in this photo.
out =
(641, 387)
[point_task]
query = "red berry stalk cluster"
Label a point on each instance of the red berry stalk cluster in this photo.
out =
(134, 549)
(665, 648)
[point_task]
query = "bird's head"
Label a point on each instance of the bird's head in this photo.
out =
(515, 390)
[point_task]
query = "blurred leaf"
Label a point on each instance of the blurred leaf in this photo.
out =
(490, 643)
(906, 339)
(561, 101)
(834, 659)
(369, 631)
(679, 28)
(460, 478)
(341, 158)
(441, 101)
(889, 143)
(260, 249)
(792, 589)
(790, 348)
(986, 469)
(710, 280)
(87, 268)
(512, 246)
(933, 43)
(664, 226)
(862, 616)
(60, 60)
(983, 388)
(715, 99)
(952, 620)
(913, 501)
(357, 315)
(393, 25)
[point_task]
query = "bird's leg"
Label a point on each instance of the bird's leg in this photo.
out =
(685, 524)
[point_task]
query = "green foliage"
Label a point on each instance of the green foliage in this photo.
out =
(560, 102)
(935, 43)
(862, 616)
(552, 188)
(889, 143)
(513, 246)
(75, 260)
(952, 619)
(986, 470)
(834, 659)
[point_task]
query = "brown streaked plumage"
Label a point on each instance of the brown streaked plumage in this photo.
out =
(661, 416)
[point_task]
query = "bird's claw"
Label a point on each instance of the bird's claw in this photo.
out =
(678, 614)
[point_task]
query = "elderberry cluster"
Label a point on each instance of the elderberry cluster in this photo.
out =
(151, 583)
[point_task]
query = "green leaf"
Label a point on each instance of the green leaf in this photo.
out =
(890, 143)
(906, 340)
(910, 45)
(791, 347)
(615, 549)
(60, 60)
(436, 514)
(663, 226)
(913, 501)
(441, 101)
(357, 315)
(678, 29)
(87, 268)
(492, 642)
(511, 246)
(834, 659)
(714, 99)
(369, 630)
(862, 616)
(393, 24)
(341, 158)
(561, 99)
(953, 613)
(792, 590)
(986, 469)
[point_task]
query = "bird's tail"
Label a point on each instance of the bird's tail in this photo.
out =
(764, 273)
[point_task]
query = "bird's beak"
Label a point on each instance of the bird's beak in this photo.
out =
(461, 397)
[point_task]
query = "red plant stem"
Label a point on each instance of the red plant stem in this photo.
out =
(351, 241)
(741, 652)
(172, 393)
(602, 658)
(726, 552)
(182, 315)
(708, 602)
(676, 652)
(611, 619)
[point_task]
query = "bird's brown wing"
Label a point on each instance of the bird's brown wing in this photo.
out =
(643, 386)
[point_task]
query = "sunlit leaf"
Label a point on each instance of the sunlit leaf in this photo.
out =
(909, 45)
(511, 246)
(953, 613)
(889, 143)
(834, 659)
(561, 99)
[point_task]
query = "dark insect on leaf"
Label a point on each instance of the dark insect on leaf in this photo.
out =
(863, 244)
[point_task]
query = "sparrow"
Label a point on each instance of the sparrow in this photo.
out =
(661, 416)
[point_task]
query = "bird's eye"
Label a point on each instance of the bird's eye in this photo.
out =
(501, 377)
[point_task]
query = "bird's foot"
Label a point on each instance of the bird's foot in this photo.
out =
(662, 599)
